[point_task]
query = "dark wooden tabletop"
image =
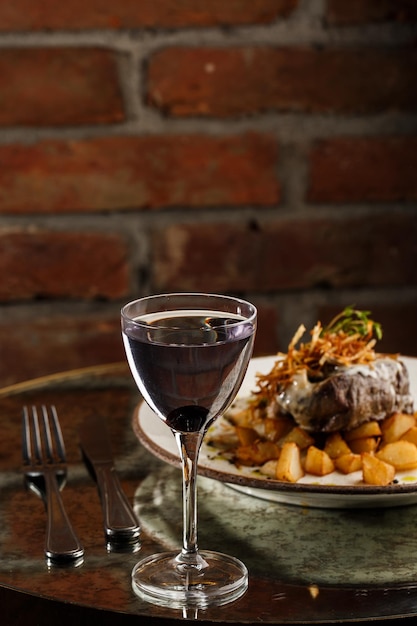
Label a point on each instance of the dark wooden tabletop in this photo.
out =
(31, 592)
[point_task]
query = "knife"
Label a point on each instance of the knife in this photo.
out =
(120, 522)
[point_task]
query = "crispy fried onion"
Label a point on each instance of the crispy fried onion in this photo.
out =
(325, 350)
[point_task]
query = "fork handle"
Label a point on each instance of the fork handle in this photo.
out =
(61, 543)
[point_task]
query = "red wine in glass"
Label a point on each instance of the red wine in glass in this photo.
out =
(188, 354)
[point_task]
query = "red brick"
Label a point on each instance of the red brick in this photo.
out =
(85, 14)
(363, 170)
(43, 345)
(47, 264)
(362, 11)
(59, 176)
(266, 339)
(185, 81)
(377, 251)
(398, 321)
(58, 86)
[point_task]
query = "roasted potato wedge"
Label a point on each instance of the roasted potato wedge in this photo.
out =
(318, 462)
(410, 435)
(270, 468)
(299, 436)
(376, 471)
(336, 446)
(397, 425)
(257, 453)
(276, 428)
(289, 466)
(241, 418)
(401, 454)
(368, 429)
(348, 463)
(367, 444)
(246, 435)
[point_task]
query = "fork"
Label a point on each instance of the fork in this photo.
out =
(44, 465)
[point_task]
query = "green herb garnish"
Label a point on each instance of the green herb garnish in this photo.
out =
(351, 321)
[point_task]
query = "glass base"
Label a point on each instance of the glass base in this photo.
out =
(164, 580)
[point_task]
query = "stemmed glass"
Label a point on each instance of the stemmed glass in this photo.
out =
(188, 353)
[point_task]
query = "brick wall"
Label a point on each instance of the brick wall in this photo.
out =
(261, 147)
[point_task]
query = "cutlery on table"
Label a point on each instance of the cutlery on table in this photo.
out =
(45, 469)
(120, 522)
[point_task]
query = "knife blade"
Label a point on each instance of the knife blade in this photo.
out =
(120, 522)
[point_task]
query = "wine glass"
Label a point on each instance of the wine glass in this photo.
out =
(188, 353)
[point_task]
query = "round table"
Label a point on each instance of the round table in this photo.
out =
(100, 588)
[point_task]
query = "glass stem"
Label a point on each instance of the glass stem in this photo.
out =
(189, 445)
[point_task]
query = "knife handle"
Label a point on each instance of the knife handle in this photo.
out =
(120, 521)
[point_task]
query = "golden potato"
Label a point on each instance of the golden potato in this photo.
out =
(368, 429)
(318, 462)
(395, 426)
(299, 436)
(246, 435)
(257, 453)
(289, 463)
(376, 471)
(367, 444)
(401, 454)
(336, 446)
(276, 428)
(241, 418)
(348, 463)
(410, 435)
(270, 468)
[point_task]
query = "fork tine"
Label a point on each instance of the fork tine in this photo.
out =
(31, 436)
(48, 447)
(57, 432)
(37, 438)
(26, 441)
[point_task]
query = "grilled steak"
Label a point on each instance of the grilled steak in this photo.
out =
(349, 396)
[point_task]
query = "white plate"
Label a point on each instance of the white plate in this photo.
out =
(332, 491)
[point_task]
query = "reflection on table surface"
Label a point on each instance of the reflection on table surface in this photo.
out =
(305, 565)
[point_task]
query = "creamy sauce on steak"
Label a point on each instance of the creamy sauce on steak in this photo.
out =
(349, 396)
